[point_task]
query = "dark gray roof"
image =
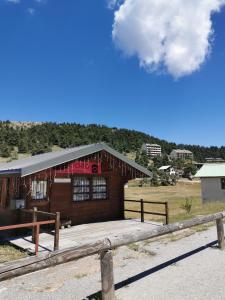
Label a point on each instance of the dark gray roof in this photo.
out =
(33, 164)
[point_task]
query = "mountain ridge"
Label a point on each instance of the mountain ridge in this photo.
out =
(40, 137)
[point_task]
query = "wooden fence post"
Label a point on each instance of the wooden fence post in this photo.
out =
(142, 211)
(167, 213)
(220, 233)
(37, 231)
(107, 277)
(56, 237)
(34, 219)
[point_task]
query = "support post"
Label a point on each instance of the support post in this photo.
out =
(56, 237)
(220, 233)
(37, 231)
(167, 213)
(107, 277)
(142, 211)
(34, 219)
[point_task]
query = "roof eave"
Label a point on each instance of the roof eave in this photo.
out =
(10, 172)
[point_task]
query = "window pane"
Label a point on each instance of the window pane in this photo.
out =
(39, 189)
(99, 181)
(81, 181)
(81, 197)
(223, 183)
(99, 188)
(81, 189)
(99, 196)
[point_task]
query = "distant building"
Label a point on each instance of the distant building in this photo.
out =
(181, 154)
(152, 150)
(212, 182)
(168, 169)
(214, 160)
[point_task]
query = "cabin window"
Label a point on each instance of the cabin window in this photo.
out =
(39, 189)
(99, 188)
(223, 183)
(89, 188)
(81, 188)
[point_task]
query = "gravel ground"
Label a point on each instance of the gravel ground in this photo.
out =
(191, 276)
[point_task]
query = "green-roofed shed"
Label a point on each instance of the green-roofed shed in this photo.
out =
(212, 177)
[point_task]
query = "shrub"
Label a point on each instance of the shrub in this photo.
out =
(187, 206)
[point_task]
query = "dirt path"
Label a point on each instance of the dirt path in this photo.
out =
(198, 275)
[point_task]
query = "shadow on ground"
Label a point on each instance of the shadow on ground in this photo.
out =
(130, 280)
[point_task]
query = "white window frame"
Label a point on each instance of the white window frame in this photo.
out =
(39, 189)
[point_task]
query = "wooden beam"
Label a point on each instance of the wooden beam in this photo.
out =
(9, 227)
(142, 234)
(39, 212)
(34, 263)
(142, 211)
(56, 236)
(107, 277)
(220, 233)
(37, 232)
(34, 219)
(167, 212)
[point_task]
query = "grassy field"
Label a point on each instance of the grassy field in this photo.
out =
(8, 253)
(176, 197)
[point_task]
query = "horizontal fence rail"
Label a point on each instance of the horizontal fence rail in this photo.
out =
(34, 225)
(104, 246)
(142, 210)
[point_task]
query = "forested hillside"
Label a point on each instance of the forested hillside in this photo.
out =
(37, 138)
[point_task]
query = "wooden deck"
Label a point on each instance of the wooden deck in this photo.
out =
(73, 236)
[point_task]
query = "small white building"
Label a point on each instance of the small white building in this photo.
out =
(152, 150)
(168, 169)
(212, 182)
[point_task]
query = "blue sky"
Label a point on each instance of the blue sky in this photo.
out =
(58, 62)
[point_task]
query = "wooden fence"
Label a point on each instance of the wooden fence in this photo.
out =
(56, 217)
(104, 247)
(142, 210)
(35, 225)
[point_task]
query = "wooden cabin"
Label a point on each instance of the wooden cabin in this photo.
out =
(85, 184)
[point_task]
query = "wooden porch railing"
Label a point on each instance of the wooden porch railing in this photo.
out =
(35, 225)
(35, 212)
(142, 210)
(104, 246)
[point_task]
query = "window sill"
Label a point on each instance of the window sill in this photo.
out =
(39, 200)
(89, 200)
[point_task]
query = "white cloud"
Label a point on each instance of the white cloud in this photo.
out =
(171, 35)
(31, 11)
(40, 1)
(113, 3)
(13, 1)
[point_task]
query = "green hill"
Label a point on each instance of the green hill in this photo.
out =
(35, 138)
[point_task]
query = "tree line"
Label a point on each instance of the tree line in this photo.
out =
(39, 138)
